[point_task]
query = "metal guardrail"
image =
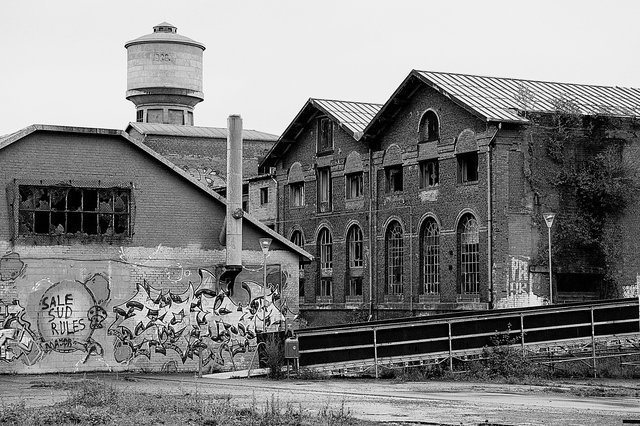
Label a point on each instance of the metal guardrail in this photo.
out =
(444, 337)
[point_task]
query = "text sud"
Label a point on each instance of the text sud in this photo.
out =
(60, 315)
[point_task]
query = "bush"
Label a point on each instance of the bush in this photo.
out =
(273, 355)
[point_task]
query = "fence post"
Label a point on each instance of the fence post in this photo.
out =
(593, 344)
(375, 350)
(522, 333)
(450, 349)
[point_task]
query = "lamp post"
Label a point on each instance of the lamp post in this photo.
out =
(264, 245)
(548, 218)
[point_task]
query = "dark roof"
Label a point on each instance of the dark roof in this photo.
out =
(16, 136)
(500, 99)
(198, 132)
(353, 117)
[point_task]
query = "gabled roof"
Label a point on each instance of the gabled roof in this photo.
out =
(197, 131)
(504, 99)
(16, 136)
(353, 117)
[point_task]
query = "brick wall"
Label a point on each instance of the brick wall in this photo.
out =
(137, 303)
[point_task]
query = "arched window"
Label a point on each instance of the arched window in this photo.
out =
(430, 256)
(394, 258)
(468, 248)
(297, 238)
(326, 249)
(429, 127)
(354, 247)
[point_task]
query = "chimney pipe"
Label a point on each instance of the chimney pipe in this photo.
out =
(234, 204)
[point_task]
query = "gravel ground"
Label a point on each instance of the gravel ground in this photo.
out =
(585, 402)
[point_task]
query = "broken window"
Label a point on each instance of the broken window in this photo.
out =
(58, 210)
(429, 174)
(393, 179)
(468, 167)
(354, 186)
(325, 134)
(324, 189)
(429, 127)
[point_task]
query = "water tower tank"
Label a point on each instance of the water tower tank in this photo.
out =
(164, 76)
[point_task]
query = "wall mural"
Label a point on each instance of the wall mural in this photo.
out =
(168, 313)
(67, 314)
(204, 320)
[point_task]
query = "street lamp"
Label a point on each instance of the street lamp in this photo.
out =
(264, 245)
(548, 218)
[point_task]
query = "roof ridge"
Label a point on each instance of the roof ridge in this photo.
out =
(522, 79)
(350, 102)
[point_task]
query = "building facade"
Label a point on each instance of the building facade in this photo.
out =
(111, 260)
(436, 203)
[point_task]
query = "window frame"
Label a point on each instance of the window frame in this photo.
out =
(82, 212)
(359, 185)
(468, 255)
(429, 171)
(355, 247)
(324, 189)
(394, 258)
(324, 140)
(264, 195)
(391, 174)
(296, 194)
(325, 249)
(465, 165)
(429, 127)
(430, 257)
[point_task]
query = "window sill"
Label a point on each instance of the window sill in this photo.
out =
(324, 152)
(470, 183)
(70, 239)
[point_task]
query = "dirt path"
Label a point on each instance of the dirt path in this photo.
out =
(382, 401)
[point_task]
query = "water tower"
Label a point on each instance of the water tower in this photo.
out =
(164, 76)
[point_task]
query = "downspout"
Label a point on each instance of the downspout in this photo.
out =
(411, 263)
(490, 219)
(371, 234)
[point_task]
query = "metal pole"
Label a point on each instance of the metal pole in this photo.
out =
(264, 294)
(450, 350)
(375, 350)
(593, 344)
(550, 274)
(522, 333)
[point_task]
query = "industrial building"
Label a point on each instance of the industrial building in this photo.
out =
(115, 256)
(435, 201)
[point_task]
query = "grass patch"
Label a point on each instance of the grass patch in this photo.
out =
(93, 402)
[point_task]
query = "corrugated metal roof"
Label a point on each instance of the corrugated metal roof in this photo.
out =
(355, 116)
(500, 99)
(198, 132)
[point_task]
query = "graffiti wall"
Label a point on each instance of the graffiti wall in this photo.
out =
(520, 287)
(150, 314)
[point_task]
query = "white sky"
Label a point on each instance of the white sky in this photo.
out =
(63, 61)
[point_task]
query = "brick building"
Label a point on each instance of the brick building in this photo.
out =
(111, 259)
(434, 201)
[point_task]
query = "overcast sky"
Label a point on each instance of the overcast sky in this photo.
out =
(63, 62)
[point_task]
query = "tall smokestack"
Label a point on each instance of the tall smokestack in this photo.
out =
(234, 203)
